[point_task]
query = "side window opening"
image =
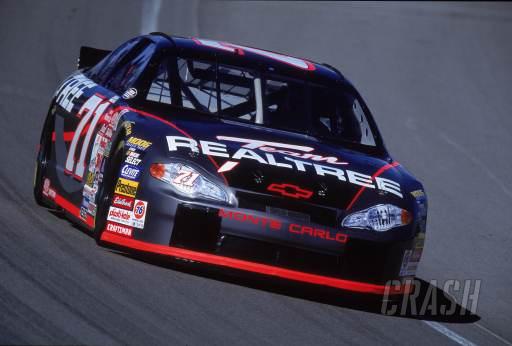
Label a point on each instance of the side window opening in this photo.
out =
(198, 85)
(159, 90)
(105, 67)
(367, 137)
(237, 94)
(129, 70)
(338, 114)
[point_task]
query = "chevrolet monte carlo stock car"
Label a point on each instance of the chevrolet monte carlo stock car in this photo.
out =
(234, 157)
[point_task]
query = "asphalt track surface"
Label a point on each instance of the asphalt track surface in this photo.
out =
(438, 78)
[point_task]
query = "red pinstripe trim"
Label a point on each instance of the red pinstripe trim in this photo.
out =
(72, 209)
(376, 174)
(68, 135)
(253, 267)
(174, 126)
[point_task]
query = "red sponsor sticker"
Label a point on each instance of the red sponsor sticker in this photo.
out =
(139, 210)
(119, 229)
(123, 202)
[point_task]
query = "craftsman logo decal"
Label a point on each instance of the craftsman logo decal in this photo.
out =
(119, 229)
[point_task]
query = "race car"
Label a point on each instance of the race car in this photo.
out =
(234, 157)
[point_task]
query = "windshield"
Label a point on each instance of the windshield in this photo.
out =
(238, 93)
(316, 110)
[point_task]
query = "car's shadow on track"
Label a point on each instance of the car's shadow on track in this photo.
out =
(434, 299)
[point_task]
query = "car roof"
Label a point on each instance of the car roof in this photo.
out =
(250, 57)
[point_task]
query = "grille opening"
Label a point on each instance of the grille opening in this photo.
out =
(298, 210)
(278, 255)
(195, 228)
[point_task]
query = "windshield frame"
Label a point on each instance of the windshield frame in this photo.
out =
(263, 75)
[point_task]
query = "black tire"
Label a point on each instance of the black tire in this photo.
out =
(43, 156)
(107, 187)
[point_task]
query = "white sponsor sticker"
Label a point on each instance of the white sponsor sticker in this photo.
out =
(134, 218)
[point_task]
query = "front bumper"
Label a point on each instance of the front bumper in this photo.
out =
(222, 261)
(263, 243)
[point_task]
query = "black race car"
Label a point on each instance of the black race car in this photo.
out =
(231, 156)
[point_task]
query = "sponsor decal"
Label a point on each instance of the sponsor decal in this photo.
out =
(48, 191)
(119, 215)
(133, 157)
(92, 209)
(296, 157)
(90, 179)
(89, 193)
(130, 93)
(419, 241)
(132, 160)
(130, 172)
(83, 212)
(119, 229)
(139, 213)
(278, 225)
(127, 128)
(417, 193)
(95, 114)
(409, 266)
(46, 186)
(138, 143)
(51, 193)
(123, 202)
(185, 177)
(290, 190)
(91, 114)
(71, 90)
(240, 50)
(126, 187)
(133, 218)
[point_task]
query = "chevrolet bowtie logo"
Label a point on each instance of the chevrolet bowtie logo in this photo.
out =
(289, 190)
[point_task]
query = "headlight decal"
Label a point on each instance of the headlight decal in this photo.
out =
(190, 182)
(379, 218)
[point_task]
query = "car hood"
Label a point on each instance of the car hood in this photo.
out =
(268, 163)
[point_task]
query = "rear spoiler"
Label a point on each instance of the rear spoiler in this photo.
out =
(90, 56)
